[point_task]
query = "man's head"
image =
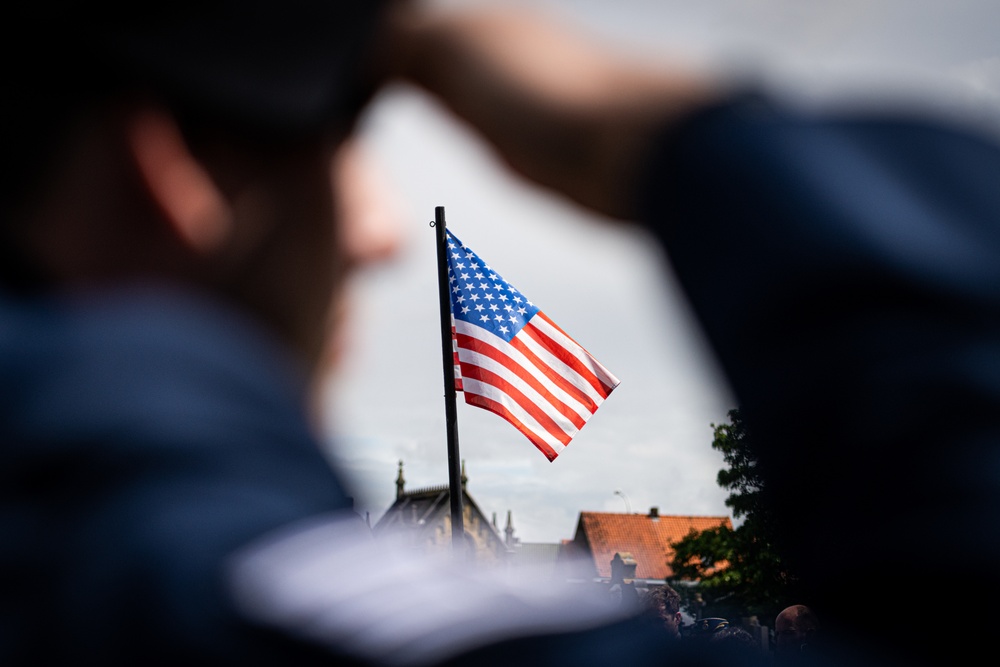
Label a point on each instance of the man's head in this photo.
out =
(666, 602)
(794, 628)
(199, 145)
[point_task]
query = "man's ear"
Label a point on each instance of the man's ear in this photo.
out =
(177, 182)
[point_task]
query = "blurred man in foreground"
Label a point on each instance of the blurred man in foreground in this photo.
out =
(171, 265)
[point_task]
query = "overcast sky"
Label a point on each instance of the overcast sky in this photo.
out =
(611, 290)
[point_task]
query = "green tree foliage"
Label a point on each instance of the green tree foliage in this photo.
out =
(738, 571)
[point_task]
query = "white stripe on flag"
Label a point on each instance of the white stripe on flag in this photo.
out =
(454, 356)
(601, 374)
(475, 358)
(539, 402)
(498, 372)
(560, 368)
(529, 426)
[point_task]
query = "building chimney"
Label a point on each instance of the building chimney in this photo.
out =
(622, 568)
(654, 513)
(400, 482)
(509, 531)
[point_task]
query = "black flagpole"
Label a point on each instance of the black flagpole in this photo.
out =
(450, 411)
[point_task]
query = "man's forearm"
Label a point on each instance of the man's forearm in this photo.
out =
(561, 109)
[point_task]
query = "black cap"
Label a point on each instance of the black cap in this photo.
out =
(706, 626)
(290, 65)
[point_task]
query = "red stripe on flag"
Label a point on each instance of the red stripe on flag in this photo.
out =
(454, 353)
(469, 343)
(564, 384)
(501, 410)
(566, 356)
(515, 394)
(603, 375)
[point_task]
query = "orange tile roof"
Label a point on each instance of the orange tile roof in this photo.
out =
(647, 538)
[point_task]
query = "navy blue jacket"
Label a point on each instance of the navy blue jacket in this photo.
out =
(846, 270)
(144, 436)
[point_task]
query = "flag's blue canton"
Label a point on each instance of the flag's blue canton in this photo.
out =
(481, 296)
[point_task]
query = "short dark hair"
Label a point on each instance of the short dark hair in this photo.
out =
(664, 599)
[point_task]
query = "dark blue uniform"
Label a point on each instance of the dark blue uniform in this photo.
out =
(846, 270)
(146, 436)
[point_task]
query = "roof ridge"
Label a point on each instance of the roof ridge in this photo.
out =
(426, 489)
(661, 515)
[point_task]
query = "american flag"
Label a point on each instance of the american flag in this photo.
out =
(513, 360)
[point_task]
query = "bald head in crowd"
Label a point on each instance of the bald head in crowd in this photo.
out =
(795, 628)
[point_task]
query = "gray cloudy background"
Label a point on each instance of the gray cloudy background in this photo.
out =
(608, 288)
